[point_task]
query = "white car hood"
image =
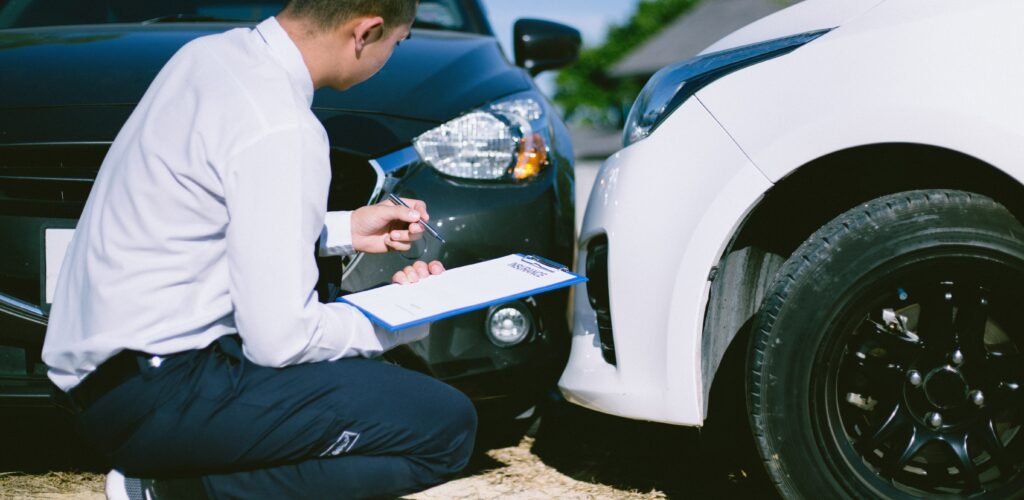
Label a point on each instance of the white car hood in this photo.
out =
(805, 16)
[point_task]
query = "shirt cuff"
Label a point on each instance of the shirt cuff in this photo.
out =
(359, 336)
(389, 340)
(336, 237)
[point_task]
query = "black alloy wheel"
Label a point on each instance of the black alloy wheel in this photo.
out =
(919, 384)
(888, 359)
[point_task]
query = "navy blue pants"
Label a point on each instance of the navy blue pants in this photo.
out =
(353, 428)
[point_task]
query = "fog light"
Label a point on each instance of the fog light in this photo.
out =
(509, 324)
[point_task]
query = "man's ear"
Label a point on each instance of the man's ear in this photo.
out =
(367, 30)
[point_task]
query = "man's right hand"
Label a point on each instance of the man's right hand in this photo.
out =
(386, 226)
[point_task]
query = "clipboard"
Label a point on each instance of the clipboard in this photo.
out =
(462, 290)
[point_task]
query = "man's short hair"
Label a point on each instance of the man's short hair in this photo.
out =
(327, 14)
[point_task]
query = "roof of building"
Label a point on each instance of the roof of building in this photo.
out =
(693, 32)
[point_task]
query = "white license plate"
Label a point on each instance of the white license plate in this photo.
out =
(56, 242)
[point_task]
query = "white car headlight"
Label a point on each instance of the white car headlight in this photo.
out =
(670, 87)
(500, 141)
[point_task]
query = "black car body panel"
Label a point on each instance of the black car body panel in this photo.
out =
(464, 71)
(65, 92)
(105, 65)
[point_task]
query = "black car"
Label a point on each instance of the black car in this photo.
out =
(448, 120)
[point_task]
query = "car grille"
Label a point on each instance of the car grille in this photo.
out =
(597, 293)
(48, 180)
(47, 186)
(40, 186)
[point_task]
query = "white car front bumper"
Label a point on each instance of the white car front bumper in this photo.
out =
(668, 205)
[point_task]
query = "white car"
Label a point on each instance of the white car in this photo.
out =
(836, 189)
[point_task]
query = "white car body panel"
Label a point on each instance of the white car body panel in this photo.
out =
(647, 381)
(809, 15)
(886, 77)
(937, 72)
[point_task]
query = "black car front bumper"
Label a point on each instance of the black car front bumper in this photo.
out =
(481, 221)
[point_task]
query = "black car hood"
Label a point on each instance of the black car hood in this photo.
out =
(432, 77)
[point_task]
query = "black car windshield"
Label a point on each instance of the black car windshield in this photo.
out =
(433, 14)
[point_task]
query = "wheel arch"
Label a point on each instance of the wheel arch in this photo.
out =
(825, 187)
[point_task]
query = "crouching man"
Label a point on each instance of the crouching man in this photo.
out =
(186, 332)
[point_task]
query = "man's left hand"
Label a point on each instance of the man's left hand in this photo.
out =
(419, 270)
(386, 226)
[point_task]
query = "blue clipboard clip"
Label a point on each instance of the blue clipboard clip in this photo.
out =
(545, 264)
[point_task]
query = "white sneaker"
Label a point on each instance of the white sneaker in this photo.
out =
(119, 487)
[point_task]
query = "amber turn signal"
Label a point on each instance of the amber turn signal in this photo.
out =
(531, 158)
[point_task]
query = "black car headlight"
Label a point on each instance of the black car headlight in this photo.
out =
(504, 140)
(670, 87)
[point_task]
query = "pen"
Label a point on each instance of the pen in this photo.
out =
(430, 229)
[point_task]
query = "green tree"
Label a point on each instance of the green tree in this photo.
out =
(586, 93)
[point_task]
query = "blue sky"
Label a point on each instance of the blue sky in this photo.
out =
(591, 17)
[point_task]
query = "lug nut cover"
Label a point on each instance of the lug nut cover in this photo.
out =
(915, 378)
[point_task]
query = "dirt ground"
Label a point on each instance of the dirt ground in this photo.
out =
(568, 453)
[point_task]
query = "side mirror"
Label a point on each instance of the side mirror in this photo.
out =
(542, 45)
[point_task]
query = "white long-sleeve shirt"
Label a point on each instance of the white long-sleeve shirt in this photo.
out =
(204, 218)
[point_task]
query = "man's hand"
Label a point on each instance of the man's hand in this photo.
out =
(417, 271)
(386, 226)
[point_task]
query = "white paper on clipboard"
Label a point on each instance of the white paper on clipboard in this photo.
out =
(461, 290)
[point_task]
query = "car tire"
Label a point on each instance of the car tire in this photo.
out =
(886, 360)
